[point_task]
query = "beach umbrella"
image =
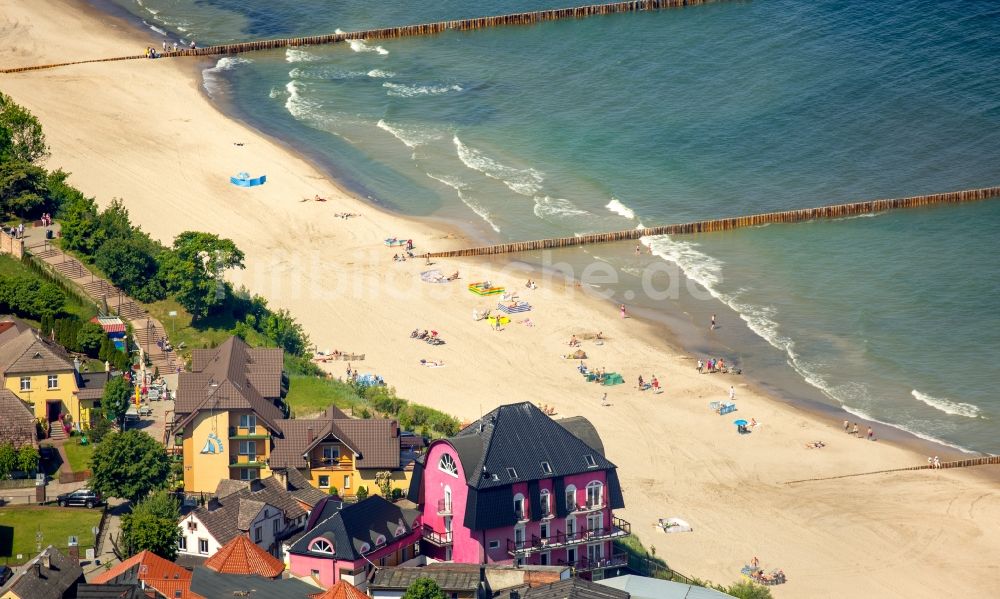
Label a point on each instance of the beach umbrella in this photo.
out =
(740, 422)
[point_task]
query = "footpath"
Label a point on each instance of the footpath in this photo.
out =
(110, 299)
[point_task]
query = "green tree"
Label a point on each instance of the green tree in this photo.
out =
(131, 264)
(23, 188)
(129, 465)
(152, 526)
(424, 588)
(115, 399)
(384, 482)
(48, 300)
(8, 459)
(114, 222)
(27, 140)
(27, 458)
(194, 271)
(80, 223)
(280, 327)
(746, 589)
(89, 338)
(361, 493)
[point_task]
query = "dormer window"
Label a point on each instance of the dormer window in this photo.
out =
(400, 529)
(380, 541)
(591, 463)
(546, 468)
(365, 548)
(447, 465)
(321, 546)
(511, 473)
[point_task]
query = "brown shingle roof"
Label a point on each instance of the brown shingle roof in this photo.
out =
(241, 556)
(17, 426)
(298, 437)
(302, 489)
(377, 440)
(46, 582)
(235, 508)
(29, 353)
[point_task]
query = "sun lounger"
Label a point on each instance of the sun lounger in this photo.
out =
(727, 408)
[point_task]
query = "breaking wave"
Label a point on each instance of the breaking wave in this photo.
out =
(400, 90)
(556, 207)
(410, 136)
(460, 187)
(361, 46)
(620, 209)
(946, 405)
(211, 79)
(526, 182)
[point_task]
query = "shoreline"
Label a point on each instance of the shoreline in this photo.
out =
(673, 457)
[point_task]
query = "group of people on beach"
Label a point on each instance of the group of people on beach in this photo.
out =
(653, 384)
(712, 365)
(853, 430)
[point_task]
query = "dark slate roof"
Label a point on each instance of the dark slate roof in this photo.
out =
(325, 508)
(521, 436)
(91, 384)
(400, 578)
(356, 525)
(109, 591)
(62, 574)
(211, 584)
(583, 430)
(18, 423)
(231, 376)
(571, 588)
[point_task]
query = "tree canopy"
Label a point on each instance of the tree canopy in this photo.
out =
(129, 465)
(424, 588)
(115, 400)
(195, 269)
(22, 130)
(151, 526)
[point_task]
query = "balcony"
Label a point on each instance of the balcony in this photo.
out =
(444, 507)
(248, 432)
(619, 528)
(440, 539)
(582, 508)
(343, 463)
(246, 461)
(589, 565)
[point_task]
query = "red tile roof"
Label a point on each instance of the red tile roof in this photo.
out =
(242, 556)
(341, 590)
(163, 575)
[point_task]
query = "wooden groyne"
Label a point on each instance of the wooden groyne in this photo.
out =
(728, 224)
(983, 461)
(522, 18)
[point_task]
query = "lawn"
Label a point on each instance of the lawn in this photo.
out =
(78, 455)
(308, 395)
(20, 524)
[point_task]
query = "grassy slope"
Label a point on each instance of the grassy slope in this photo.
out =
(9, 267)
(308, 395)
(78, 455)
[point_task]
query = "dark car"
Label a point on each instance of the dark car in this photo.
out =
(84, 497)
(5, 574)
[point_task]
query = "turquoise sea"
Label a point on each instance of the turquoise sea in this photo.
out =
(652, 118)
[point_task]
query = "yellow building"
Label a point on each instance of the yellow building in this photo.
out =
(229, 425)
(342, 453)
(46, 377)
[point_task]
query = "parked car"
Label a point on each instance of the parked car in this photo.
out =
(84, 497)
(5, 574)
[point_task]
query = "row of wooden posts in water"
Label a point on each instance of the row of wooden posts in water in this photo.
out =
(523, 18)
(728, 224)
(967, 463)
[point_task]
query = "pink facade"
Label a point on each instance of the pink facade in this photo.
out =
(328, 570)
(583, 538)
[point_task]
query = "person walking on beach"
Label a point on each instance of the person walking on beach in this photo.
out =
(622, 308)
(847, 427)
(656, 384)
(937, 462)
(732, 393)
(604, 401)
(855, 430)
(871, 434)
(713, 322)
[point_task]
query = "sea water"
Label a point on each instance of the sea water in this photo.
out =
(734, 108)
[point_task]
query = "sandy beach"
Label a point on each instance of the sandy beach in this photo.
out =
(145, 132)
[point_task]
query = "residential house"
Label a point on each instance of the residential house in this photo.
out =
(342, 453)
(110, 591)
(50, 575)
(263, 510)
(645, 587)
(151, 573)
(209, 583)
(346, 545)
(573, 588)
(241, 557)
(462, 580)
(341, 590)
(17, 426)
(44, 375)
(301, 489)
(518, 487)
(226, 413)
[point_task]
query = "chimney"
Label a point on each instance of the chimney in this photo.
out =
(76, 365)
(282, 477)
(213, 504)
(38, 569)
(73, 551)
(310, 435)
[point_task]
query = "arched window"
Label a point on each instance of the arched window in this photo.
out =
(380, 540)
(321, 546)
(595, 495)
(400, 528)
(570, 498)
(519, 512)
(365, 548)
(447, 464)
(545, 500)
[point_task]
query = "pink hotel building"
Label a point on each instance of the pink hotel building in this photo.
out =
(517, 487)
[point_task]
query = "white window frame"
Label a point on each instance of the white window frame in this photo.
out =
(591, 462)
(248, 421)
(570, 503)
(245, 446)
(448, 465)
(258, 534)
(519, 499)
(595, 484)
(276, 526)
(571, 528)
(182, 543)
(545, 501)
(546, 468)
(202, 542)
(494, 544)
(25, 383)
(53, 381)
(347, 481)
(334, 450)
(315, 546)
(319, 480)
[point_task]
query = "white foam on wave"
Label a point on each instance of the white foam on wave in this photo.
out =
(401, 90)
(296, 55)
(324, 73)
(380, 74)
(947, 406)
(296, 105)
(526, 182)
(548, 207)
(210, 77)
(460, 187)
(620, 209)
(361, 46)
(155, 28)
(865, 416)
(275, 93)
(411, 137)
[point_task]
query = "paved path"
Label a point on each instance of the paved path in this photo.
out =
(110, 299)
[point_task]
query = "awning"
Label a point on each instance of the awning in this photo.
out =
(110, 324)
